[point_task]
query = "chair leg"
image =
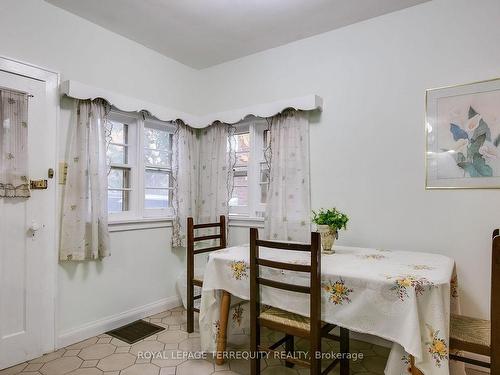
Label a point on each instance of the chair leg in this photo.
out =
(344, 350)
(190, 307)
(315, 358)
(315, 365)
(254, 350)
(289, 348)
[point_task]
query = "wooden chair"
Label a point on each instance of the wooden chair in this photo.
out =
(477, 335)
(193, 280)
(292, 325)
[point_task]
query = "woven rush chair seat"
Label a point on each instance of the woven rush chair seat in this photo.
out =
(282, 317)
(468, 333)
(198, 279)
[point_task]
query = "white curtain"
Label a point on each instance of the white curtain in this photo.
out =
(84, 231)
(185, 173)
(14, 180)
(202, 188)
(215, 175)
(288, 206)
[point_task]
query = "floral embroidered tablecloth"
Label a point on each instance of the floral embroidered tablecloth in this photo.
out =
(404, 297)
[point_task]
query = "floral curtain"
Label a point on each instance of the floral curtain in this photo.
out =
(185, 174)
(215, 175)
(84, 231)
(14, 181)
(288, 206)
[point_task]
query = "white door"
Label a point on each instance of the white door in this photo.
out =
(27, 260)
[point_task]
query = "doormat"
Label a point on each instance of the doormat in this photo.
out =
(136, 331)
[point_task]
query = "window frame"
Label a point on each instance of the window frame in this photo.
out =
(255, 208)
(136, 124)
(156, 212)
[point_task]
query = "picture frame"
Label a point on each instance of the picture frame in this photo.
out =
(462, 128)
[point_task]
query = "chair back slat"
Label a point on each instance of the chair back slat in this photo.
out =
(207, 249)
(283, 266)
(283, 286)
(207, 225)
(221, 236)
(205, 238)
(495, 303)
(284, 245)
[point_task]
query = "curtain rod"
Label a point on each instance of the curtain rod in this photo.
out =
(2, 88)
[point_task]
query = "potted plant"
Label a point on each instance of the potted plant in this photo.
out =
(328, 223)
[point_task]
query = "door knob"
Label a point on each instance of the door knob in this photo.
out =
(35, 226)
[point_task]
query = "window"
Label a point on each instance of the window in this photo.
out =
(157, 166)
(140, 175)
(250, 171)
(240, 173)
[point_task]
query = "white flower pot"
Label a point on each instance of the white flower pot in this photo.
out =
(328, 236)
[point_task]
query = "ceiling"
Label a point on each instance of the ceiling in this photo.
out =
(202, 33)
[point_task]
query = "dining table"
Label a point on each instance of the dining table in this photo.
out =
(402, 296)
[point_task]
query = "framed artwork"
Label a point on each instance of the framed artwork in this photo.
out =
(462, 128)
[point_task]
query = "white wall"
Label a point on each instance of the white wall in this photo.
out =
(42, 34)
(143, 268)
(367, 148)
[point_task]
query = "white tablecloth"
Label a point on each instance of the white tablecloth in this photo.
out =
(401, 296)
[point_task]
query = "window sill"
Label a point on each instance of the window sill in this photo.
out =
(139, 224)
(246, 221)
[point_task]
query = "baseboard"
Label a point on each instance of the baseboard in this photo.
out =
(100, 326)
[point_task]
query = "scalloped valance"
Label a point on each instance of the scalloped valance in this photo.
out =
(79, 90)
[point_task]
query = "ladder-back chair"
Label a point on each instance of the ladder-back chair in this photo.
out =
(196, 280)
(481, 336)
(292, 325)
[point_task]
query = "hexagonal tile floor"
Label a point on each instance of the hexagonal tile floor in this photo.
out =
(104, 355)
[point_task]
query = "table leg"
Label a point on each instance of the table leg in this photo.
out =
(224, 317)
(414, 369)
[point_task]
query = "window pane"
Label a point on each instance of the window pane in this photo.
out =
(242, 158)
(119, 178)
(118, 200)
(267, 139)
(264, 182)
(263, 192)
(240, 181)
(242, 142)
(239, 197)
(117, 154)
(156, 139)
(118, 132)
(264, 172)
(157, 158)
(156, 198)
(156, 179)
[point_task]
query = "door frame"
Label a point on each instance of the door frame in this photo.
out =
(51, 80)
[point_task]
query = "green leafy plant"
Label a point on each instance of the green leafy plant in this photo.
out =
(331, 217)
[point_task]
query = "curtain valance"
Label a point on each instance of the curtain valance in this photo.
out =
(79, 90)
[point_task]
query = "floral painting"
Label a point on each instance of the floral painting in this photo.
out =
(463, 136)
(474, 149)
